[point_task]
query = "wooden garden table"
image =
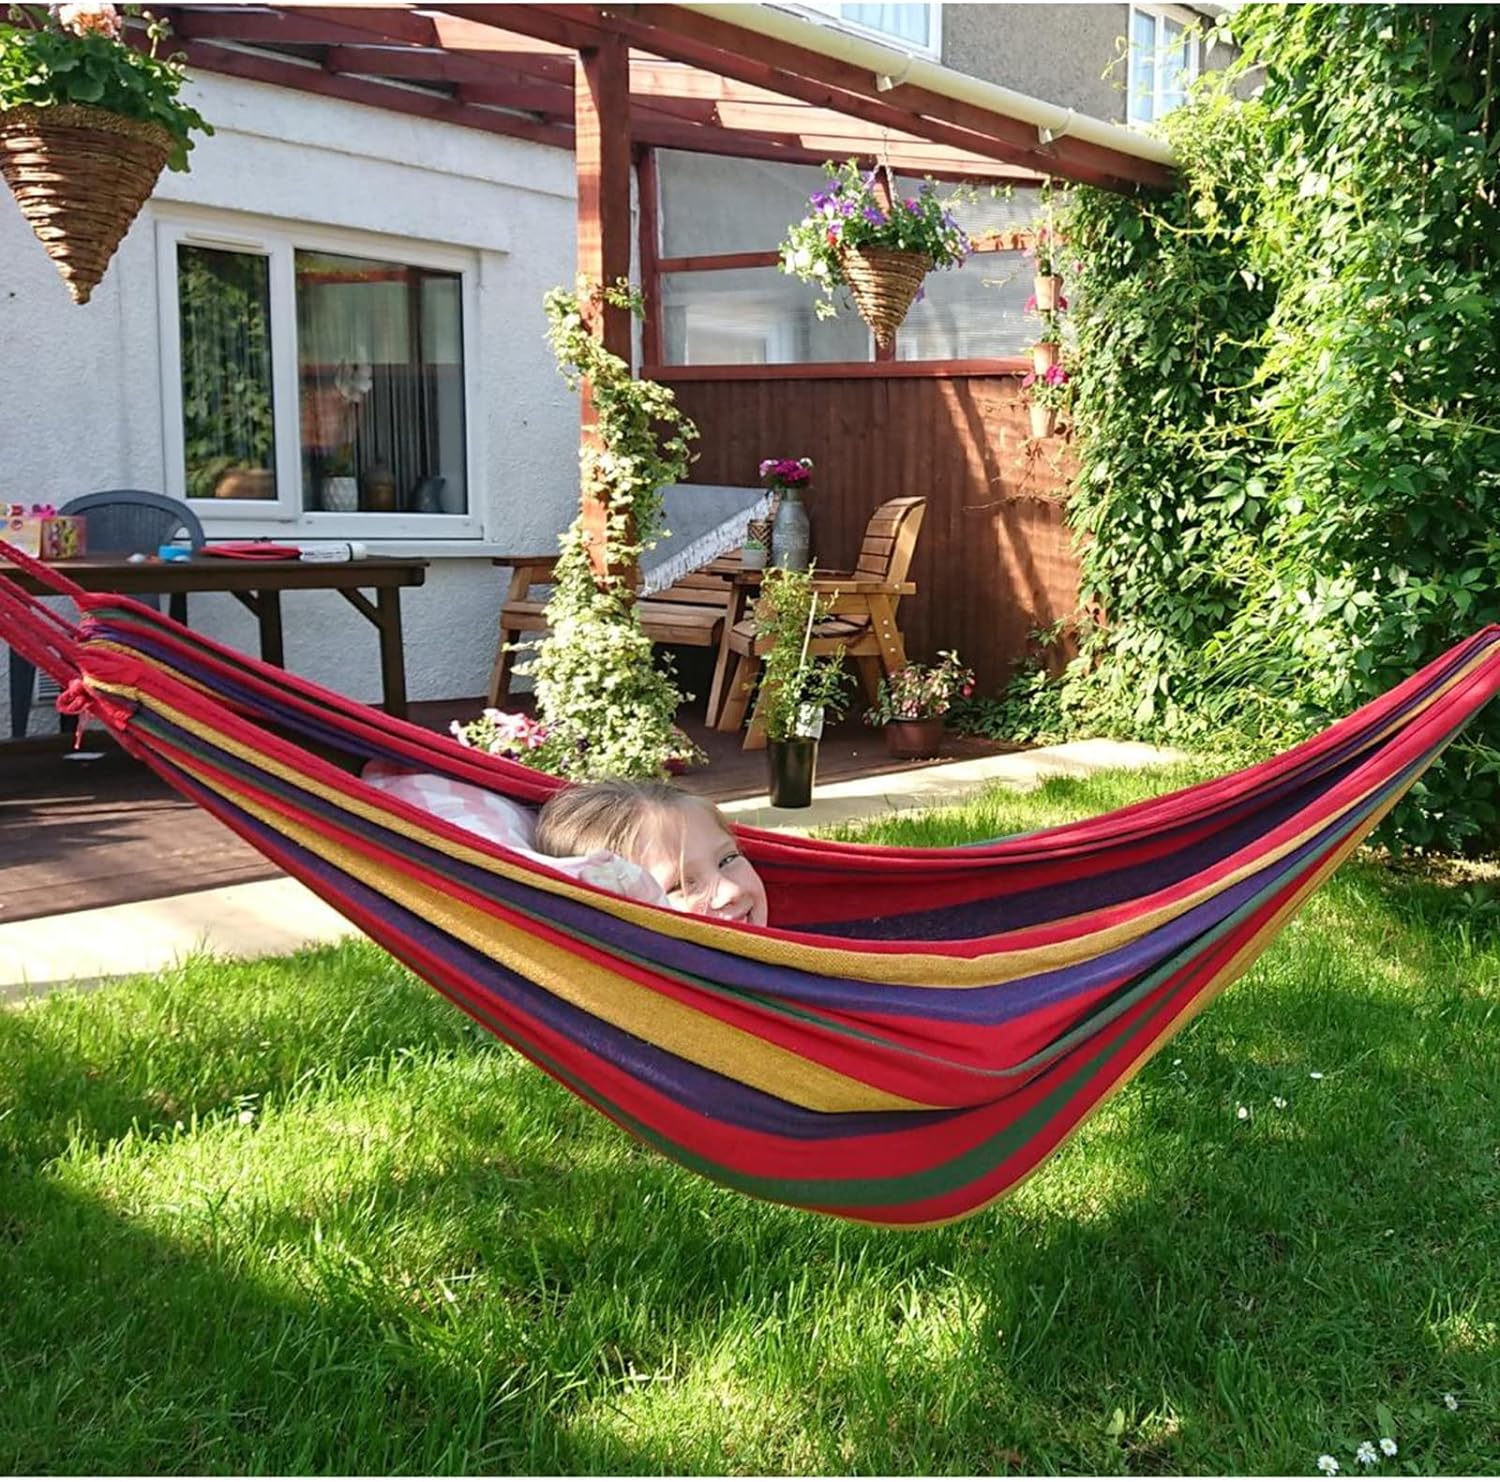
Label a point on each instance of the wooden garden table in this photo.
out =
(258, 585)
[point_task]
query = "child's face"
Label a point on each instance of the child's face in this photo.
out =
(689, 854)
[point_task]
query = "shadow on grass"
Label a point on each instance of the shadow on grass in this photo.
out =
(545, 1296)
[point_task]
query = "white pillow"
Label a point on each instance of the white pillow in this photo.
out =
(512, 825)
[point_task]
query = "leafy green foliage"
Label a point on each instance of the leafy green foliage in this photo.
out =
(43, 63)
(849, 214)
(1288, 397)
(794, 685)
(609, 710)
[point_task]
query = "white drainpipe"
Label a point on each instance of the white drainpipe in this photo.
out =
(891, 67)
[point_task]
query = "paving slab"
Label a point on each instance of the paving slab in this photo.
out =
(271, 917)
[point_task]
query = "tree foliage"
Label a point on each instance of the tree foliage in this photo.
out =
(1288, 400)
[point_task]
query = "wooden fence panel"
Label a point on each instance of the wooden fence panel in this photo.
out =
(994, 561)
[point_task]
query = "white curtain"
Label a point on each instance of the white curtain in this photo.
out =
(905, 22)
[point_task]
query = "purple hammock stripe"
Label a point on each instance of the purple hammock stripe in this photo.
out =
(715, 1096)
(996, 1005)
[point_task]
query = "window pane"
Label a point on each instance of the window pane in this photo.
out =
(380, 377)
(1175, 59)
(979, 310)
(1142, 66)
(909, 23)
(228, 429)
(711, 205)
(971, 313)
(753, 316)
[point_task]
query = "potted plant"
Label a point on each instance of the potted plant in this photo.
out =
(791, 533)
(1051, 394)
(859, 234)
(1047, 265)
(912, 702)
(86, 125)
(1047, 350)
(797, 690)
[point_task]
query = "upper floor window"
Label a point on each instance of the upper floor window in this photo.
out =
(315, 377)
(1163, 61)
(915, 28)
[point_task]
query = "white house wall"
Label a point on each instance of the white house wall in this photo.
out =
(82, 386)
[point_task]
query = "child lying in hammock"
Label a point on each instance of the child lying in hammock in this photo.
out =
(680, 839)
(646, 840)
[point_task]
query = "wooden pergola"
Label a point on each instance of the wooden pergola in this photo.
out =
(615, 83)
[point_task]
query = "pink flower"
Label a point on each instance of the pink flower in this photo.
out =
(1031, 304)
(1056, 376)
(90, 17)
(1062, 302)
(1029, 382)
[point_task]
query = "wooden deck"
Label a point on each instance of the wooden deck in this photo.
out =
(80, 834)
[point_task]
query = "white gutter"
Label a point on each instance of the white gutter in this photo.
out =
(891, 67)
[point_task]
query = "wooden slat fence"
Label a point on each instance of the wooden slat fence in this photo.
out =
(995, 559)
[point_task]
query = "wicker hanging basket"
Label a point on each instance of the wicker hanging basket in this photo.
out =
(884, 281)
(80, 175)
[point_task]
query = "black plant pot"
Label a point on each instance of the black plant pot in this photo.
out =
(793, 765)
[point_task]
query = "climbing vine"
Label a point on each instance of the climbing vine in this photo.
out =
(1288, 397)
(608, 708)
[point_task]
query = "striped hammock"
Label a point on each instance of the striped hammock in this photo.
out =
(919, 1030)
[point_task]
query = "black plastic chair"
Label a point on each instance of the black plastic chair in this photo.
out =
(118, 520)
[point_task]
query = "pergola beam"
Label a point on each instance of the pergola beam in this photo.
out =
(685, 35)
(602, 144)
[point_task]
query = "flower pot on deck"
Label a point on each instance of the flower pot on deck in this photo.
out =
(793, 764)
(914, 740)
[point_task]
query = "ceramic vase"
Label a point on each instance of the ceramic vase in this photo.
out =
(341, 493)
(791, 534)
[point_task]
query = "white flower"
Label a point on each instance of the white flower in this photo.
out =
(1243, 1114)
(1328, 1465)
(802, 258)
(820, 269)
(1315, 1075)
(1387, 1445)
(1279, 1102)
(1451, 1401)
(1365, 1454)
(1177, 1062)
(246, 1117)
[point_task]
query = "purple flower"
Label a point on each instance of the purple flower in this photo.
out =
(846, 208)
(874, 216)
(912, 206)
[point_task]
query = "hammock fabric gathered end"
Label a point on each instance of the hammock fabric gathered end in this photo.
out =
(919, 1030)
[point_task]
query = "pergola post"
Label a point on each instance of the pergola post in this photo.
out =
(602, 130)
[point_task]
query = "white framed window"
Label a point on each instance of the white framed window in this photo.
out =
(316, 378)
(1163, 60)
(916, 28)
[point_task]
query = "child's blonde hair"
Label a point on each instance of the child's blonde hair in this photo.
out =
(609, 815)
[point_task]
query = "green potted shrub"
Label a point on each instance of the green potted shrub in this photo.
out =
(912, 702)
(797, 689)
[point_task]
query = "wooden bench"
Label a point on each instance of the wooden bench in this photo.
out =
(690, 612)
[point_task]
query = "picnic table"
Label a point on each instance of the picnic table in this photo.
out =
(258, 585)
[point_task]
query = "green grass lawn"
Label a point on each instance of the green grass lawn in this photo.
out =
(301, 1216)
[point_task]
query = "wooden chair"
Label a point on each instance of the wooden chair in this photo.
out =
(861, 621)
(691, 612)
